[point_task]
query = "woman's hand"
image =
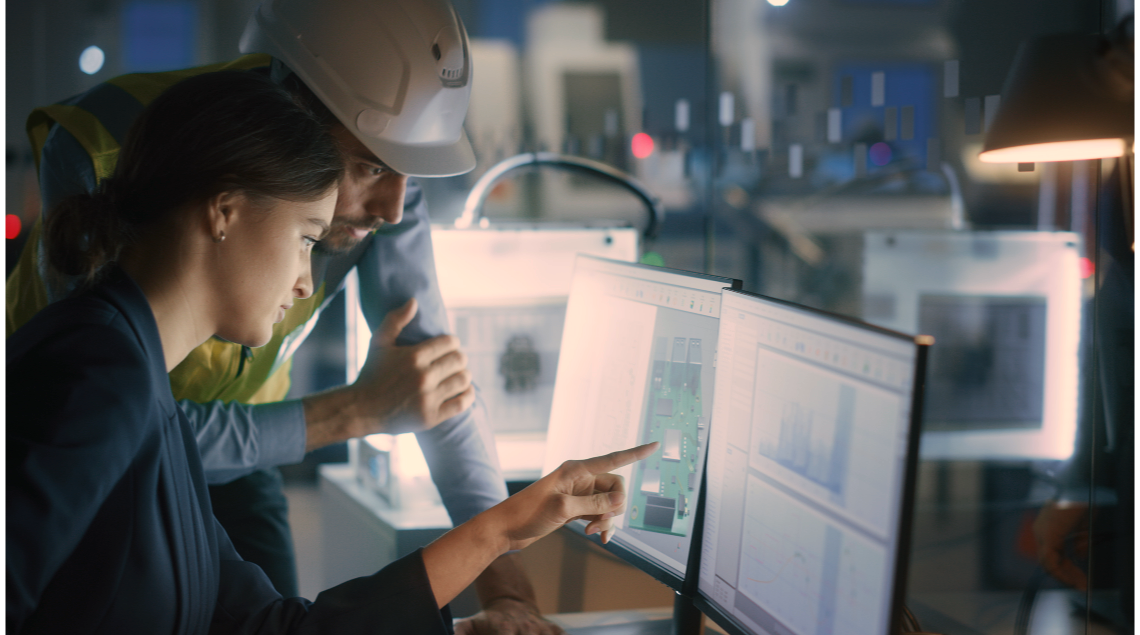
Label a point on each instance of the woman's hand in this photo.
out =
(577, 489)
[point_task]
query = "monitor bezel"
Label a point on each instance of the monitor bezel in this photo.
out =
(910, 476)
(643, 562)
(730, 283)
(684, 586)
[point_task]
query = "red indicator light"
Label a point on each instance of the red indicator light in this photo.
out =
(12, 223)
(1087, 268)
(642, 145)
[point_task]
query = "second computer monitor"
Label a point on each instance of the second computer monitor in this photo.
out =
(636, 366)
(810, 470)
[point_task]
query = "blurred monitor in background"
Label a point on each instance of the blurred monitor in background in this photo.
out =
(505, 288)
(1005, 309)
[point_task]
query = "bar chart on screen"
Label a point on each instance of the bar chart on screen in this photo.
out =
(818, 430)
(808, 571)
(807, 463)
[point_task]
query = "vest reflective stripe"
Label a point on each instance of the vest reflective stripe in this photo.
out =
(209, 372)
(93, 132)
(84, 126)
(98, 119)
(116, 107)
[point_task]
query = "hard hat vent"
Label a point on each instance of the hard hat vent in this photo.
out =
(450, 52)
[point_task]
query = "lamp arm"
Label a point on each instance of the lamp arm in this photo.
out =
(473, 206)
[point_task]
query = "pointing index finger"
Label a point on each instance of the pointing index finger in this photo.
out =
(621, 458)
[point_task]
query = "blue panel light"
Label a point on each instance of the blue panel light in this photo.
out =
(908, 86)
(159, 36)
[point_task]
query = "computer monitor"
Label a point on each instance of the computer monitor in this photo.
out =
(810, 471)
(637, 365)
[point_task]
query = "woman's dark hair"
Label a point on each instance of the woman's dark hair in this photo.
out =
(287, 79)
(228, 131)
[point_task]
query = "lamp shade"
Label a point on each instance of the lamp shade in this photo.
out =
(1064, 100)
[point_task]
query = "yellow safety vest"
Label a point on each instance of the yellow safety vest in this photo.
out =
(215, 370)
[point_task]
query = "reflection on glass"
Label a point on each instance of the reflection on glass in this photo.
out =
(790, 143)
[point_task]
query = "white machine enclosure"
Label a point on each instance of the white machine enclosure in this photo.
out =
(1004, 308)
(505, 287)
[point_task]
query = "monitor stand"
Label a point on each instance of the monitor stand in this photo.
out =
(686, 616)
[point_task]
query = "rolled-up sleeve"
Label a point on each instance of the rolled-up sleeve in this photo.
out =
(460, 452)
(235, 439)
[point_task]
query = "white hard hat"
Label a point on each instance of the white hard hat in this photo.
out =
(396, 73)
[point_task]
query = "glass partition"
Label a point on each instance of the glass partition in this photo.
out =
(846, 177)
(825, 152)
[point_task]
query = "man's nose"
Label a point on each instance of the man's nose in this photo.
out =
(387, 200)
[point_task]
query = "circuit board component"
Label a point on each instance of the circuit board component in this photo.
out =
(663, 483)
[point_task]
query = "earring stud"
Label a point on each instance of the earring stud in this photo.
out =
(220, 237)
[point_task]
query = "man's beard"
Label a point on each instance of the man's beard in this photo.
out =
(340, 241)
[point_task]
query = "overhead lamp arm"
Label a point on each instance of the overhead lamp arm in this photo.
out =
(473, 207)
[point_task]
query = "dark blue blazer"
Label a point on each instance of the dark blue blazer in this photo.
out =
(109, 526)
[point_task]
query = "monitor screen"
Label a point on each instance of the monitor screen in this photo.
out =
(810, 470)
(636, 366)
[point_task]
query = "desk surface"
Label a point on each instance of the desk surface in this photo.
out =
(656, 621)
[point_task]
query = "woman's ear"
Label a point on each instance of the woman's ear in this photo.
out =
(222, 211)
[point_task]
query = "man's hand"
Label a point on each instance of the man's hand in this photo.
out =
(509, 604)
(410, 388)
(400, 388)
(507, 616)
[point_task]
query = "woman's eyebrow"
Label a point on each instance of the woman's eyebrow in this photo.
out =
(320, 222)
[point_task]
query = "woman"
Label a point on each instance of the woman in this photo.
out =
(205, 229)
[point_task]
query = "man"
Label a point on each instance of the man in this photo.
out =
(393, 119)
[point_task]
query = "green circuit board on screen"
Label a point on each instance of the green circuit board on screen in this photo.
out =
(663, 496)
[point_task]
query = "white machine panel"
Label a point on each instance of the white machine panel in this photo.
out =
(1004, 308)
(505, 288)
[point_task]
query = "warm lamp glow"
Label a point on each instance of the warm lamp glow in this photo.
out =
(1056, 151)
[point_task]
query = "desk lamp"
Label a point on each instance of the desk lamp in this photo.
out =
(1068, 97)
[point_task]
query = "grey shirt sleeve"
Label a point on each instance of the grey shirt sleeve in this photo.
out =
(235, 439)
(460, 452)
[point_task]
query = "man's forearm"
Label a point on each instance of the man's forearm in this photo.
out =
(505, 579)
(331, 417)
